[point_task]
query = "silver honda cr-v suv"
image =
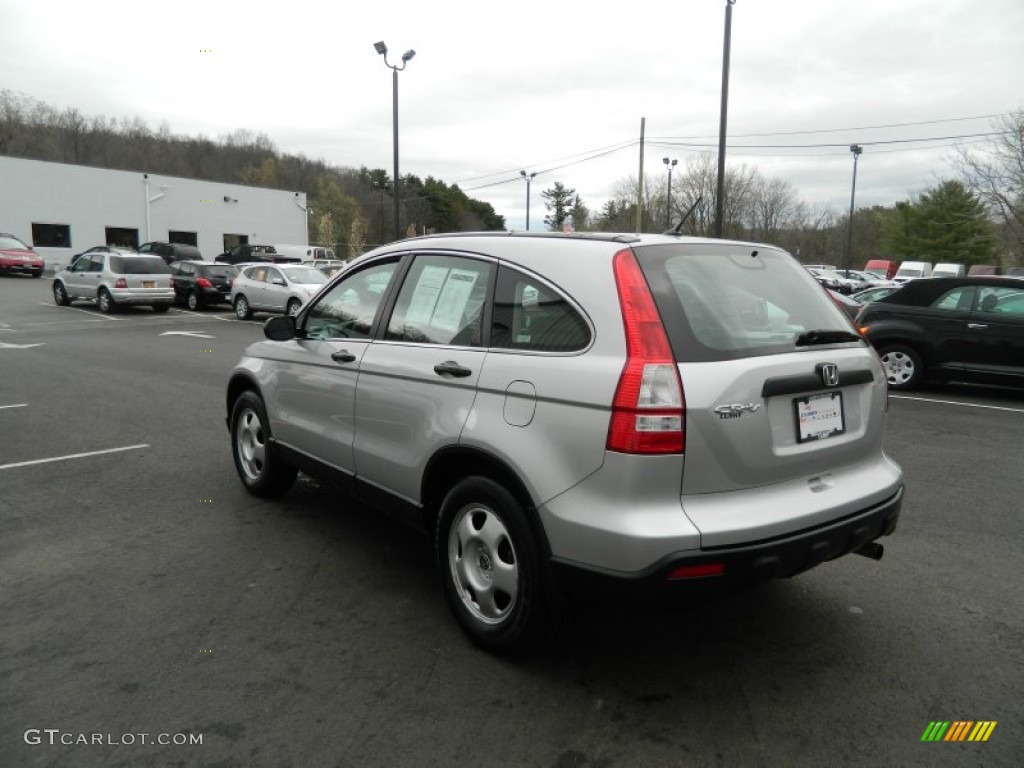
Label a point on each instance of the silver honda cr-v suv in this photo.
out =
(573, 414)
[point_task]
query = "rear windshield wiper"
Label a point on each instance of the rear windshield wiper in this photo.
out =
(809, 338)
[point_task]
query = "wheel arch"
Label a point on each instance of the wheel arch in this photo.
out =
(450, 465)
(239, 383)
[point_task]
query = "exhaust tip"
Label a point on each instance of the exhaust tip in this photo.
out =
(872, 549)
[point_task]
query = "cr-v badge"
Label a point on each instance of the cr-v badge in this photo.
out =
(735, 410)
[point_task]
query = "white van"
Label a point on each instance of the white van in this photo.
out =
(306, 252)
(948, 269)
(911, 270)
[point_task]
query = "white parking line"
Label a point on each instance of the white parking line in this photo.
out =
(72, 456)
(77, 309)
(16, 405)
(956, 402)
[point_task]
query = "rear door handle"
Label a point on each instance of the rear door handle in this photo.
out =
(977, 326)
(451, 368)
(343, 356)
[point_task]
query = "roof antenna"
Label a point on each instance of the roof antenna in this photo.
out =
(679, 227)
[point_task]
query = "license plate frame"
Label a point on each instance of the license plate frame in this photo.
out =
(819, 416)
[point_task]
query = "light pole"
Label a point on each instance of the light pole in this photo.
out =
(720, 195)
(395, 69)
(380, 216)
(529, 178)
(856, 149)
(668, 197)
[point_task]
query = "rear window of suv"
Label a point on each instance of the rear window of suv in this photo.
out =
(723, 302)
(139, 265)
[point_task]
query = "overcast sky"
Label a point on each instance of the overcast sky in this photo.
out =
(543, 86)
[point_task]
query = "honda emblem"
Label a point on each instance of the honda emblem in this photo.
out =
(829, 373)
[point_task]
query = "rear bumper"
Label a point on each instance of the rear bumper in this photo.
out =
(137, 297)
(742, 565)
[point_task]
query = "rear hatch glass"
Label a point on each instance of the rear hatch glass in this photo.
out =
(722, 302)
(139, 265)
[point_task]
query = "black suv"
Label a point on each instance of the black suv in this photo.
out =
(967, 329)
(198, 284)
(172, 252)
(245, 254)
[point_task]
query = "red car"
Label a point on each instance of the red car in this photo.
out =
(15, 256)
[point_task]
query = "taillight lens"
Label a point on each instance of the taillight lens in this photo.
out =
(202, 282)
(649, 410)
(121, 283)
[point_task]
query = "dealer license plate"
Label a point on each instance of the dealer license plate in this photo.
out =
(819, 416)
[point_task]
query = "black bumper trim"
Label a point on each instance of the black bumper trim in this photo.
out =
(745, 564)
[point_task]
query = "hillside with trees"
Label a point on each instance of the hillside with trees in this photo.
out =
(351, 209)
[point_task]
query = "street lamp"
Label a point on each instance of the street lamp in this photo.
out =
(395, 69)
(856, 149)
(529, 178)
(668, 200)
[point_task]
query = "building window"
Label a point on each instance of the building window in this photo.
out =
(51, 236)
(186, 238)
(123, 237)
(230, 241)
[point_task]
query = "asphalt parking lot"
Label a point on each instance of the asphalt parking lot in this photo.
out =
(142, 591)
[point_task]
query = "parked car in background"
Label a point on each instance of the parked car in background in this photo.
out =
(245, 254)
(307, 252)
(1014, 272)
(949, 269)
(172, 252)
(950, 328)
(874, 294)
(832, 280)
(199, 284)
(912, 270)
(858, 280)
(982, 269)
(113, 278)
(17, 257)
(276, 288)
(882, 268)
(328, 266)
(845, 303)
(652, 415)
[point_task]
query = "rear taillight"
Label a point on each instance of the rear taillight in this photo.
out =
(649, 410)
(202, 282)
(121, 283)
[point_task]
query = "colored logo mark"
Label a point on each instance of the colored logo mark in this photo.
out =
(958, 730)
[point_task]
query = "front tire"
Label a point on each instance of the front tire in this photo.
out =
(903, 366)
(60, 294)
(261, 471)
(242, 309)
(492, 571)
(294, 305)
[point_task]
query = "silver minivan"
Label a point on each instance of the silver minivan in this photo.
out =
(113, 277)
(579, 416)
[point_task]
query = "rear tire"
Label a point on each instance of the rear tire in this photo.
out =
(242, 309)
(60, 294)
(260, 470)
(105, 301)
(492, 571)
(294, 305)
(903, 366)
(192, 301)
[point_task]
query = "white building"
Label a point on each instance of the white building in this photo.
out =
(63, 209)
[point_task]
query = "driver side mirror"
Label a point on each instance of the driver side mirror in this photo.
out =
(280, 328)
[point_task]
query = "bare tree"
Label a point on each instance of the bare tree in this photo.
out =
(996, 175)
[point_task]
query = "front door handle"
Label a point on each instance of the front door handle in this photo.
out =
(451, 368)
(977, 326)
(343, 356)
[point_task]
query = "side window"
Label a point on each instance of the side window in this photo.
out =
(529, 315)
(257, 275)
(441, 302)
(347, 310)
(1005, 302)
(96, 264)
(956, 300)
(274, 276)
